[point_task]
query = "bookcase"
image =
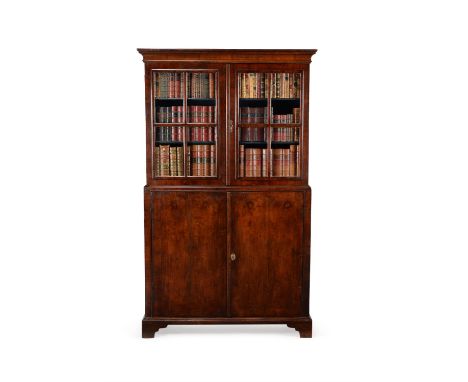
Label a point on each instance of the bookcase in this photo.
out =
(227, 200)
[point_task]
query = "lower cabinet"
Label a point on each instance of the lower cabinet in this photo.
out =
(228, 257)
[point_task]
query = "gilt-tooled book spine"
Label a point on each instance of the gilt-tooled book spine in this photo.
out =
(164, 160)
(156, 162)
(180, 161)
(173, 161)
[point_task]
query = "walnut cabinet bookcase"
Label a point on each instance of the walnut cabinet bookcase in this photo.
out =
(227, 200)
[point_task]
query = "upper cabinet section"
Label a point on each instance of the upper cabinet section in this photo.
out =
(207, 125)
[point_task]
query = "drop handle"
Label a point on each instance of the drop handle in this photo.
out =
(233, 256)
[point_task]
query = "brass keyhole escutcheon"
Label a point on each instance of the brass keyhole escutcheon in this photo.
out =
(233, 256)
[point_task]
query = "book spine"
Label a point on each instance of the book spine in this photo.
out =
(276, 162)
(241, 161)
(298, 162)
(164, 160)
(264, 163)
(156, 162)
(173, 161)
(292, 163)
(248, 162)
(212, 160)
(287, 160)
(180, 161)
(189, 162)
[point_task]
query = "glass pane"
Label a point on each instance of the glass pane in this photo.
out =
(201, 97)
(168, 160)
(285, 98)
(253, 161)
(168, 88)
(201, 153)
(201, 85)
(285, 151)
(168, 84)
(201, 114)
(253, 97)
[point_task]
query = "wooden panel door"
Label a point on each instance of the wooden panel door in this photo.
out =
(267, 240)
(189, 254)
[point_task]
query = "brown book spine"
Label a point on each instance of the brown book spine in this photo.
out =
(173, 161)
(205, 160)
(276, 162)
(298, 161)
(254, 162)
(155, 85)
(292, 161)
(193, 154)
(180, 161)
(241, 161)
(287, 161)
(156, 162)
(189, 162)
(212, 160)
(164, 160)
(248, 161)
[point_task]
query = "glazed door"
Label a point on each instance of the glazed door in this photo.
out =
(267, 230)
(189, 254)
(268, 124)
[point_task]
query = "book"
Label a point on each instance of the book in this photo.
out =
(173, 161)
(156, 162)
(164, 160)
(241, 161)
(180, 161)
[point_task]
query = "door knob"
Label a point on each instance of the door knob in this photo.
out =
(233, 256)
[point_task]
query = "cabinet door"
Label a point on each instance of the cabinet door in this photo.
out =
(189, 254)
(267, 240)
(269, 124)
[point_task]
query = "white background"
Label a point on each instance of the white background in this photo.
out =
(388, 168)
